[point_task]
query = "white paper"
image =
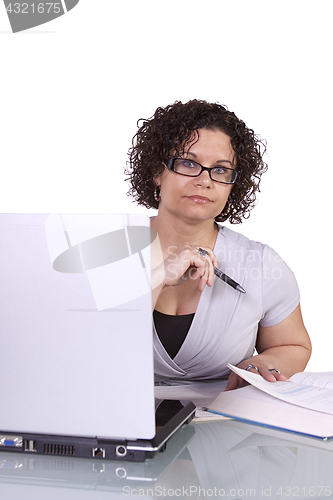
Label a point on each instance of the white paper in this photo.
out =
(312, 397)
(324, 379)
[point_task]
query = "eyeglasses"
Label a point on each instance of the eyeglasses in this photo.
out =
(219, 173)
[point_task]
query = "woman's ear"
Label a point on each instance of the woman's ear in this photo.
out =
(157, 179)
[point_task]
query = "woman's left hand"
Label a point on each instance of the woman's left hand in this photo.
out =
(235, 381)
(285, 347)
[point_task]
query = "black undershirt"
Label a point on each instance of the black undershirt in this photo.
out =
(172, 330)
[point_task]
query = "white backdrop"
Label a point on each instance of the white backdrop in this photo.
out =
(73, 89)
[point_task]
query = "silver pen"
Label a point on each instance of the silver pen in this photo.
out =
(224, 277)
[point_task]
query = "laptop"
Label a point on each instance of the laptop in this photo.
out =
(77, 373)
(20, 470)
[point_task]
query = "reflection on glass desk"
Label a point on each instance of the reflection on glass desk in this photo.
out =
(218, 459)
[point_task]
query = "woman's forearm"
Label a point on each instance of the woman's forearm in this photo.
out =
(288, 359)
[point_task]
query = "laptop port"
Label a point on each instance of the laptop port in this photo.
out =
(30, 445)
(98, 452)
(11, 441)
(121, 451)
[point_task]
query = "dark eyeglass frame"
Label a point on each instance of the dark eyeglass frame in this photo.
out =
(171, 161)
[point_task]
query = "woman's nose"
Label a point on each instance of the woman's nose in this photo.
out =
(204, 178)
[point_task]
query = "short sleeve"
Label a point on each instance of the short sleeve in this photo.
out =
(280, 290)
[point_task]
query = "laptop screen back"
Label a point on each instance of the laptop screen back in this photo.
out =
(76, 326)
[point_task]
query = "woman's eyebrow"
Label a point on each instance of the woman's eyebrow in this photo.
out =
(217, 161)
(224, 161)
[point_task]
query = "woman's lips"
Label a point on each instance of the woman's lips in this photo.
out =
(199, 199)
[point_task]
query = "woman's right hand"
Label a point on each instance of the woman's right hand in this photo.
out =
(184, 263)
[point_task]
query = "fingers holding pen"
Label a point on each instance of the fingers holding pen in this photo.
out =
(186, 262)
(198, 266)
(202, 272)
(206, 266)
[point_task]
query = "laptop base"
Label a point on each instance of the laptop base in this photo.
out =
(173, 415)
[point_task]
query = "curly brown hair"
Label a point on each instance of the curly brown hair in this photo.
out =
(171, 129)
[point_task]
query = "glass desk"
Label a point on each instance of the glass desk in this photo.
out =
(215, 459)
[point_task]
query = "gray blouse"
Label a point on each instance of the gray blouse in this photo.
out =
(225, 325)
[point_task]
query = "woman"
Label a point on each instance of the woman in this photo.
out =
(200, 165)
